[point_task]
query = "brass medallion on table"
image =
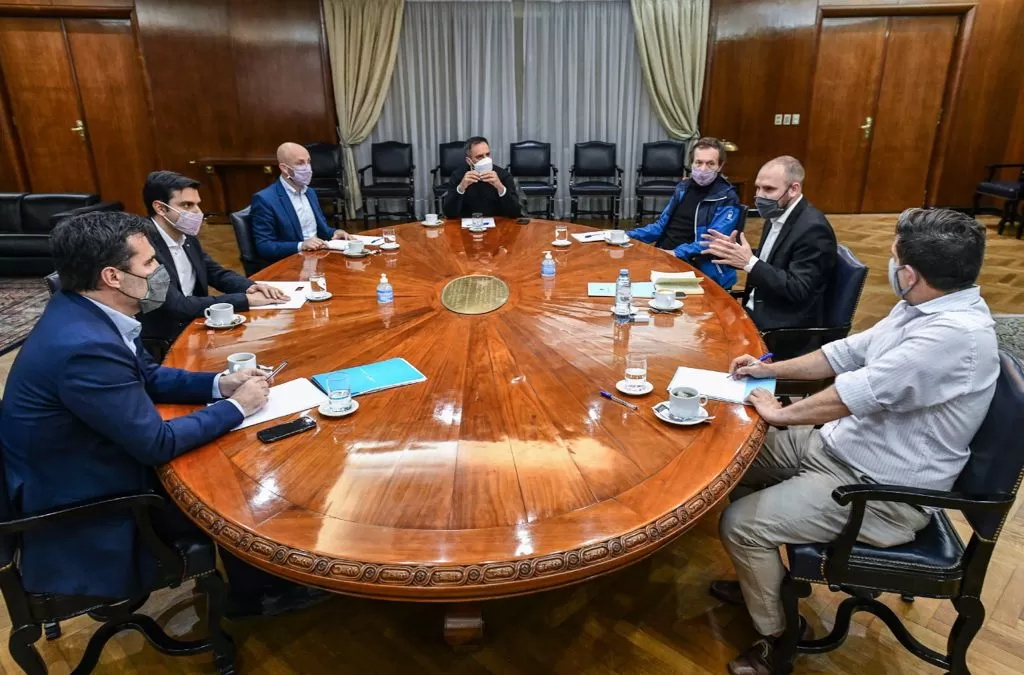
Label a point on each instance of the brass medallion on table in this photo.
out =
(475, 294)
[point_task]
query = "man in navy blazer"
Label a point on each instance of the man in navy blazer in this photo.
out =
(286, 216)
(79, 419)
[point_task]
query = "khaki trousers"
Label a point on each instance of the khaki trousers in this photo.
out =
(786, 498)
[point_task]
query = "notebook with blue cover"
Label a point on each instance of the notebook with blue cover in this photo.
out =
(375, 376)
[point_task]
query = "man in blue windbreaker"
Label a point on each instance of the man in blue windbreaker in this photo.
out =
(704, 201)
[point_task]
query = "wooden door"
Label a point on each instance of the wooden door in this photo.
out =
(44, 106)
(917, 65)
(113, 95)
(846, 77)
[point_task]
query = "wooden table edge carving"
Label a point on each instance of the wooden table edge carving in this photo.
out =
(447, 583)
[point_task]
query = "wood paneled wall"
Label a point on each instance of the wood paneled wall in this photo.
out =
(762, 57)
(226, 78)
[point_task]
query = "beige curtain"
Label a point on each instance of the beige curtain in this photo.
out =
(672, 41)
(362, 38)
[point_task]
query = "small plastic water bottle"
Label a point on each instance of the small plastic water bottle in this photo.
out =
(547, 266)
(385, 294)
(623, 292)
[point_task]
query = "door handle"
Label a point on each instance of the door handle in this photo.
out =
(868, 124)
(79, 129)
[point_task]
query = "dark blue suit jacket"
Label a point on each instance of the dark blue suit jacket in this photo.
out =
(79, 423)
(275, 225)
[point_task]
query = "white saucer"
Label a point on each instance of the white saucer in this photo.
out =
(325, 409)
(632, 311)
(625, 244)
(319, 298)
(561, 243)
(361, 254)
(237, 321)
(426, 224)
(662, 413)
(676, 304)
(621, 386)
(393, 246)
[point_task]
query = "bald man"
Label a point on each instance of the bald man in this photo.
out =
(286, 216)
(788, 275)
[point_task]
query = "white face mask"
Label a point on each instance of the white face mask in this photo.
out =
(484, 165)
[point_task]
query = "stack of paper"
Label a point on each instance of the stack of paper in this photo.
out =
(584, 237)
(342, 244)
(286, 399)
(487, 222)
(687, 283)
(296, 291)
(718, 385)
(639, 289)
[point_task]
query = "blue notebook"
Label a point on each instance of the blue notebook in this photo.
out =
(375, 376)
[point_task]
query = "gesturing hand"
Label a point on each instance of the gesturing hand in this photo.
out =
(727, 250)
(467, 180)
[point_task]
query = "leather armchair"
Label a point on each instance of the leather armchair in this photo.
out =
(595, 160)
(329, 177)
(662, 166)
(241, 222)
(936, 564)
(1010, 191)
(26, 220)
(451, 157)
(389, 160)
(188, 557)
(532, 159)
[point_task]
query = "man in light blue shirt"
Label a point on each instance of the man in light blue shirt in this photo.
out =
(909, 395)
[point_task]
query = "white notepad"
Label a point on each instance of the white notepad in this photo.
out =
(487, 222)
(296, 291)
(718, 385)
(584, 237)
(286, 399)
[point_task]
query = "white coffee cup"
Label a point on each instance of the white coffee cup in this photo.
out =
(220, 314)
(354, 246)
(664, 299)
(617, 236)
(241, 361)
(685, 402)
(431, 218)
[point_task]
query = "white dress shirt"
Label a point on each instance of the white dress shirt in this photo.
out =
(918, 385)
(182, 265)
(130, 329)
(769, 242)
(300, 202)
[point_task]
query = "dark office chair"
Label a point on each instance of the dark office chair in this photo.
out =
(595, 160)
(532, 159)
(663, 165)
(329, 177)
(241, 222)
(189, 557)
(388, 160)
(451, 157)
(841, 300)
(1009, 190)
(936, 564)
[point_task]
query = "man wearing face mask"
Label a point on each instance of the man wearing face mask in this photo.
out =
(173, 204)
(704, 202)
(482, 187)
(787, 278)
(286, 217)
(909, 395)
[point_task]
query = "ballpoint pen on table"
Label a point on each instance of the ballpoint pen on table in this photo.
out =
(277, 370)
(618, 400)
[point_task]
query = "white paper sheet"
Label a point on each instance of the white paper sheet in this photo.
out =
(286, 399)
(584, 237)
(488, 222)
(369, 241)
(719, 385)
(296, 291)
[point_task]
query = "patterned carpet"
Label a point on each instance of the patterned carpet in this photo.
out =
(21, 303)
(1010, 332)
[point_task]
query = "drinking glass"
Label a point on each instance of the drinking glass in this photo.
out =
(339, 393)
(478, 221)
(636, 372)
(318, 284)
(561, 233)
(390, 237)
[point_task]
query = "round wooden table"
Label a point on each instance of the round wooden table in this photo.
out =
(505, 472)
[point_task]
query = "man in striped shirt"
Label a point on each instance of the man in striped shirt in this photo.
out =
(909, 395)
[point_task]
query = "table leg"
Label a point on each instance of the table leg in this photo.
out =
(463, 624)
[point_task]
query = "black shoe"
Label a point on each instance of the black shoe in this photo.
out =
(757, 659)
(291, 599)
(728, 592)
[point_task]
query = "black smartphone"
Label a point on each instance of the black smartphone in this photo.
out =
(276, 433)
(522, 221)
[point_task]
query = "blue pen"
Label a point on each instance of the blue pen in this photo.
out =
(766, 357)
(618, 400)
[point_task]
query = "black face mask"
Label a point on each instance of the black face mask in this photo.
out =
(769, 208)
